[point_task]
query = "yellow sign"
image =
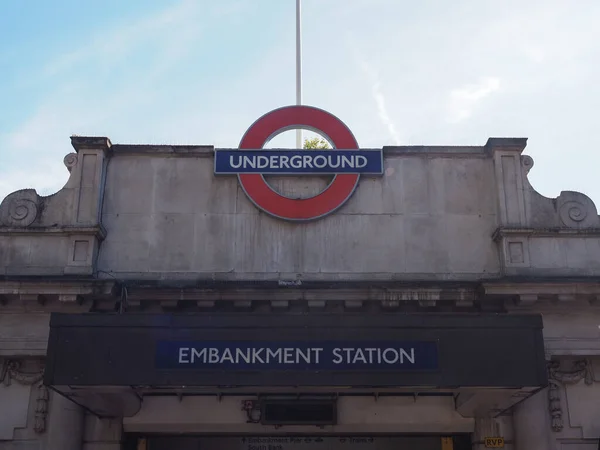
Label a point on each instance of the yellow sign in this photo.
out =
(447, 443)
(494, 442)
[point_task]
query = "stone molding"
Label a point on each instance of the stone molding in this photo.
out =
(196, 151)
(12, 370)
(509, 232)
(574, 346)
(97, 231)
(558, 378)
(388, 298)
(41, 409)
(529, 293)
(100, 143)
(497, 295)
(73, 294)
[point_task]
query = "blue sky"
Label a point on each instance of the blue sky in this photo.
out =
(397, 72)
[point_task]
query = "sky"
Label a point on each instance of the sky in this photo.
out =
(397, 72)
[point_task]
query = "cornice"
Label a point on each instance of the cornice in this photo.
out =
(503, 232)
(97, 231)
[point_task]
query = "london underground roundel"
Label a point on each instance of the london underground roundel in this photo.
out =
(346, 162)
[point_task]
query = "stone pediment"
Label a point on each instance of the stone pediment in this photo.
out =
(437, 214)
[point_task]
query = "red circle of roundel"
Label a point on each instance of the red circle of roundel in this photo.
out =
(264, 197)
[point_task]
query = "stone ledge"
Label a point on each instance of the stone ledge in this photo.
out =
(560, 293)
(40, 295)
(97, 231)
(90, 143)
(179, 150)
(327, 294)
(23, 346)
(506, 144)
(502, 232)
(208, 150)
(58, 287)
(293, 280)
(571, 347)
(433, 150)
(549, 288)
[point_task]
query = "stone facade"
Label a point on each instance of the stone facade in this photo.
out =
(140, 228)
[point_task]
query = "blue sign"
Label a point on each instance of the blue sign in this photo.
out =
(330, 355)
(298, 162)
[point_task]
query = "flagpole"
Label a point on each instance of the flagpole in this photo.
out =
(298, 70)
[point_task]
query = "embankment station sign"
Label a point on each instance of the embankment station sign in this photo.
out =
(285, 350)
(346, 162)
(331, 355)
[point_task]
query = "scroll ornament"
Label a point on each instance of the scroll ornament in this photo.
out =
(70, 161)
(572, 212)
(527, 162)
(576, 210)
(20, 209)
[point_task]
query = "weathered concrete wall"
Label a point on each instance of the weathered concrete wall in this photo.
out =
(432, 216)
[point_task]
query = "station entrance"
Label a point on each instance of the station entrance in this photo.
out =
(298, 381)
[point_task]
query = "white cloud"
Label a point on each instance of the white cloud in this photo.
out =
(379, 98)
(465, 99)
(383, 114)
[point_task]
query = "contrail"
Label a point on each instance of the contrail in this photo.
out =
(380, 100)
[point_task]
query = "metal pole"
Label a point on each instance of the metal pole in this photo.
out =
(298, 70)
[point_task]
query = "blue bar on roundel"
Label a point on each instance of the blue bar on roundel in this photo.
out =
(299, 162)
